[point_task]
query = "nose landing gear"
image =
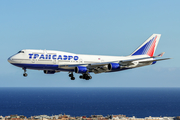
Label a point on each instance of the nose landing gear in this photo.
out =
(25, 74)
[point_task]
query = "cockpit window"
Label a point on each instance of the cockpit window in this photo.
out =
(21, 52)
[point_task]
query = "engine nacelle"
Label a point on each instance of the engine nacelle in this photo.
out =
(154, 62)
(49, 71)
(113, 66)
(80, 69)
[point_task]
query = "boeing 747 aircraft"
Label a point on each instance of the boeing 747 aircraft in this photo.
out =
(55, 61)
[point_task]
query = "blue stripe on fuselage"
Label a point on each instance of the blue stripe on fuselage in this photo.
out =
(41, 67)
(52, 67)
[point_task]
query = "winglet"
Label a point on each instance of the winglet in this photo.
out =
(160, 55)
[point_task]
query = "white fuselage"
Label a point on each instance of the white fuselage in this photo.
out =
(63, 61)
(51, 61)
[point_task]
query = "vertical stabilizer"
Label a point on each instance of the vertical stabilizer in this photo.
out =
(148, 47)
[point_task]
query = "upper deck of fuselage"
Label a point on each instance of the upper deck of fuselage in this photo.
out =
(45, 51)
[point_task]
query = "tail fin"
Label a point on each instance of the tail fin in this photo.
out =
(148, 47)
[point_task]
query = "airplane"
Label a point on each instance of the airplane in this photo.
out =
(51, 61)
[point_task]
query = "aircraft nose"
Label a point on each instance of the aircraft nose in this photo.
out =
(10, 59)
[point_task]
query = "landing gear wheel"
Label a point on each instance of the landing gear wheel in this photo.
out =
(85, 76)
(72, 78)
(81, 77)
(25, 74)
(70, 75)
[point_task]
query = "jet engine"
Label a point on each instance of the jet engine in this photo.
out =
(49, 71)
(154, 62)
(80, 69)
(113, 66)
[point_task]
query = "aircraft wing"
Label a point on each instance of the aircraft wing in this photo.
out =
(124, 62)
(88, 65)
(127, 61)
(155, 60)
(103, 67)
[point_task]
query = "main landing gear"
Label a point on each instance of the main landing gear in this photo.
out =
(71, 76)
(85, 76)
(25, 74)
